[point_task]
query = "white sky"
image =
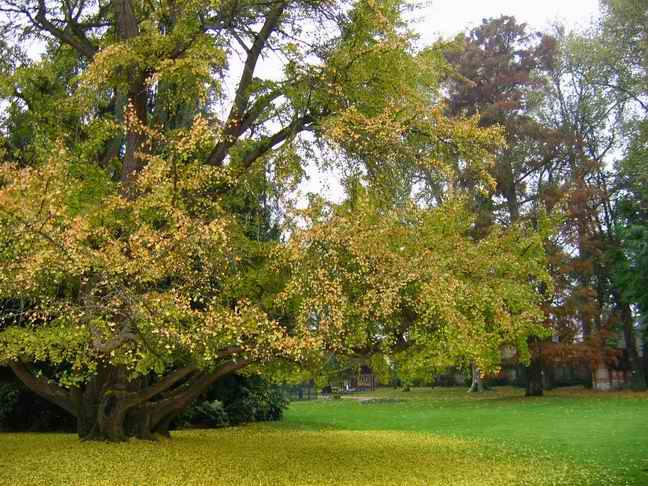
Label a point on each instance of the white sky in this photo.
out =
(449, 17)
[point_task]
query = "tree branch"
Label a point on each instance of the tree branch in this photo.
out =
(43, 387)
(268, 143)
(198, 384)
(161, 386)
(232, 128)
(79, 41)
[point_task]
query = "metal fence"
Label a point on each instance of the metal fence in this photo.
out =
(296, 393)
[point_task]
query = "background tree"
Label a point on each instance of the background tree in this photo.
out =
(413, 285)
(500, 75)
(564, 102)
(621, 53)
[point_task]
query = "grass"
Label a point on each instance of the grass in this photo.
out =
(605, 433)
(431, 437)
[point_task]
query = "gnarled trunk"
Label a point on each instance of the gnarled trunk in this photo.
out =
(111, 408)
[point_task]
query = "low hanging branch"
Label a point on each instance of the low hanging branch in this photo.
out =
(43, 387)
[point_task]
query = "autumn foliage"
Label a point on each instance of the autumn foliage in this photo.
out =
(148, 239)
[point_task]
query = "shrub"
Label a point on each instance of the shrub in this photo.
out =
(250, 399)
(240, 399)
(8, 402)
(204, 414)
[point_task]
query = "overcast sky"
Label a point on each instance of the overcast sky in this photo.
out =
(448, 17)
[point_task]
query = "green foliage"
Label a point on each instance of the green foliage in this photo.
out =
(413, 285)
(204, 414)
(235, 400)
(632, 228)
(248, 399)
(621, 54)
(8, 401)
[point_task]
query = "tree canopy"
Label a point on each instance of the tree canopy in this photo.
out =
(147, 173)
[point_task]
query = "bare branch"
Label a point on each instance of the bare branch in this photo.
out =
(78, 41)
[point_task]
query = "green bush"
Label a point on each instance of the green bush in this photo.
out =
(205, 414)
(249, 399)
(236, 400)
(8, 401)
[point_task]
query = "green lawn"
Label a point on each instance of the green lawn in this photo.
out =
(428, 437)
(606, 432)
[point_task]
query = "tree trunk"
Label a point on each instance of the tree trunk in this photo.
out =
(476, 386)
(138, 424)
(102, 404)
(86, 415)
(150, 419)
(127, 28)
(507, 187)
(644, 363)
(535, 385)
(637, 375)
(111, 408)
(113, 146)
(548, 377)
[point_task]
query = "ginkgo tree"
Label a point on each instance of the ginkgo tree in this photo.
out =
(412, 285)
(134, 272)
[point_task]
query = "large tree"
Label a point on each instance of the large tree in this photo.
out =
(500, 73)
(589, 109)
(139, 158)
